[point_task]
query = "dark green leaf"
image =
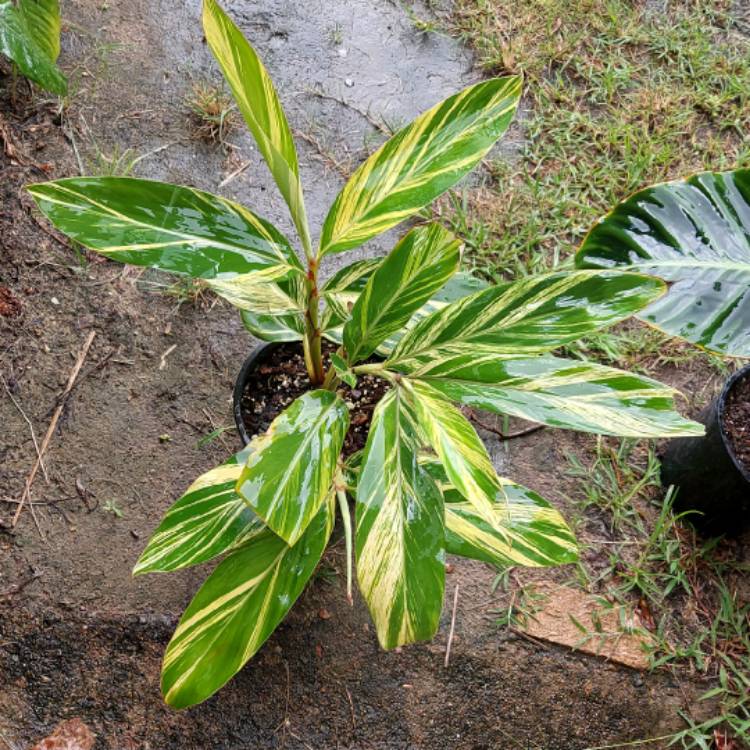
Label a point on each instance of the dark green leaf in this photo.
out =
(695, 234)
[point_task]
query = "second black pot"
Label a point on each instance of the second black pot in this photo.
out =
(707, 474)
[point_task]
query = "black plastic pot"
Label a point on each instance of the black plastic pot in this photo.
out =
(257, 357)
(709, 477)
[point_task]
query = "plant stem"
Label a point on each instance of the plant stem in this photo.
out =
(347, 520)
(313, 355)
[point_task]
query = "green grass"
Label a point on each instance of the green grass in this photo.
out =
(616, 98)
(690, 589)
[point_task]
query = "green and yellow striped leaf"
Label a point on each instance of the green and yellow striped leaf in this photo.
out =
(457, 445)
(459, 285)
(417, 267)
(340, 293)
(420, 162)
(238, 607)
(695, 234)
(30, 37)
(524, 529)
(207, 521)
(530, 316)
(400, 529)
(259, 292)
(42, 18)
(291, 466)
(559, 392)
(259, 103)
(168, 227)
(277, 325)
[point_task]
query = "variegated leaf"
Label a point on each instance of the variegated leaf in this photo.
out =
(238, 607)
(259, 103)
(172, 228)
(524, 529)
(276, 325)
(259, 292)
(459, 285)
(417, 267)
(291, 466)
(459, 448)
(420, 162)
(559, 392)
(530, 316)
(340, 293)
(695, 234)
(207, 521)
(42, 18)
(399, 537)
(30, 37)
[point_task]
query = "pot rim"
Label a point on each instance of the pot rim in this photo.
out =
(256, 357)
(741, 374)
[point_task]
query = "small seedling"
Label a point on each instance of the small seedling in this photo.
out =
(111, 506)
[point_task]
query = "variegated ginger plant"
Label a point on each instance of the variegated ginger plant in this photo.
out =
(424, 485)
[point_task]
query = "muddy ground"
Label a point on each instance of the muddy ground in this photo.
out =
(78, 636)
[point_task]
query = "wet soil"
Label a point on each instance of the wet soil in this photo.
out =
(282, 377)
(737, 421)
(78, 636)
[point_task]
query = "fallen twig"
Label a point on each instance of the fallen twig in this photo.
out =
(51, 430)
(163, 362)
(453, 627)
(237, 172)
(31, 427)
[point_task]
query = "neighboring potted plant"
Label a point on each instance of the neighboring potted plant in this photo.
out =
(30, 38)
(695, 234)
(424, 484)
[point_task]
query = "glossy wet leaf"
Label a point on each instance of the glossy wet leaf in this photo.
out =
(457, 445)
(207, 521)
(417, 267)
(459, 285)
(420, 162)
(290, 469)
(238, 607)
(399, 529)
(530, 316)
(30, 37)
(172, 228)
(525, 530)
(559, 392)
(695, 234)
(259, 103)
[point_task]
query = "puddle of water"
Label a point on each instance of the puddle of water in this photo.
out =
(365, 59)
